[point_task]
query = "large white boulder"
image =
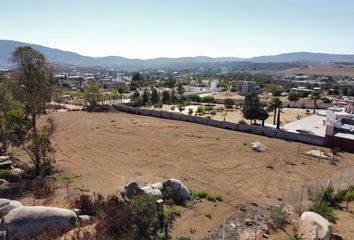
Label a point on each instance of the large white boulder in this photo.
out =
(32, 220)
(179, 190)
(4, 201)
(8, 207)
(313, 226)
(258, 147)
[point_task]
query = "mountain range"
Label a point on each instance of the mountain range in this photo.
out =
(58, 56)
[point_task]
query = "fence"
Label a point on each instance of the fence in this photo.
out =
(297, 200)
(258, 130)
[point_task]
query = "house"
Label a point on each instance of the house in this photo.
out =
(340, 134)
(244, 87)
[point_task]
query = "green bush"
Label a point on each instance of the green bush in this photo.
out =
(194, 97)
(229, 103)
(325, 210)
(208, 99)
(197, 195)
(200, 109)
(293, 97)
(279, 216)
(5, 174)
(183, 238)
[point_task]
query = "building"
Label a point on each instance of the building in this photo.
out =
(244, 87)
(334, 113)
(340, 133)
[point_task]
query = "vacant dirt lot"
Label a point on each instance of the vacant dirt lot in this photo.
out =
(110, 149)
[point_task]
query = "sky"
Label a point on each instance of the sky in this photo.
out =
(176, 28)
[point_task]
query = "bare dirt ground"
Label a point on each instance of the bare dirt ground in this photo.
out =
(322, 69)
(109, 149)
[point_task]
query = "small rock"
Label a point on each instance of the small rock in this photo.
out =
(248, 222)
(258, 147)
(4, 158)
(157, 185)
(77, 211)
(265, 236)
(85, 219)
(266, 229)
(17, 174)
(3, 181)
(7, 164)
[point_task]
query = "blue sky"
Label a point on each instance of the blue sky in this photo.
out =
(175, 28)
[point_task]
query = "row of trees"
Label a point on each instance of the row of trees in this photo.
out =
(23, 100)
(153, 96)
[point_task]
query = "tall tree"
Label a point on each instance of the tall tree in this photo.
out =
(173, 96)
(275, 104)
(251, 107)
(92, 94)
(146, 96)
(166, 96)
(34, 90)
(263, 115)
(315, 96)
(155, 97)
(11, 115)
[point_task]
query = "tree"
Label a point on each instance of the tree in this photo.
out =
(229, 103)
(136, 81)
(275, 104)
(251, 107)
(173, 96)
(11, 114)
(166, 97)
(155, 98)
(194, 97)
(263, 115)
(315, 96)
(92, 94)
(146, 96)
(293, 97)
(34, 90)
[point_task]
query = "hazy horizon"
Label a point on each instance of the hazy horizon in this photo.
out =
(152, 29)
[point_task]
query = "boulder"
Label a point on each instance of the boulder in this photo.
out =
(155, 192)
(258, 147)
(314, 226)
(4, 201)
(4, 158)
(130, 189)
(157, 185)
(34, 220)
(17, 174)
(3, 181)
(8, 207)
(146, 188)
(179, 190)
(7, 164)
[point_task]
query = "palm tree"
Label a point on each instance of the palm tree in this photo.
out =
(275, 104)
(315, 95)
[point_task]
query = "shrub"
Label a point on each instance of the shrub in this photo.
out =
(325, 210)
(183, 238)
(190, 111)
(43, 189)
(200, 109)
(194, 97)
(197, 195)
(144, 219)
(208, 99)
(293, 97)
(209, 108)
(242, 121)
(278, 216)
(326, 100)
(229, 103)
(171, 212)
(5, 174)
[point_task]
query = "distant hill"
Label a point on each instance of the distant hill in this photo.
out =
(70, 58)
